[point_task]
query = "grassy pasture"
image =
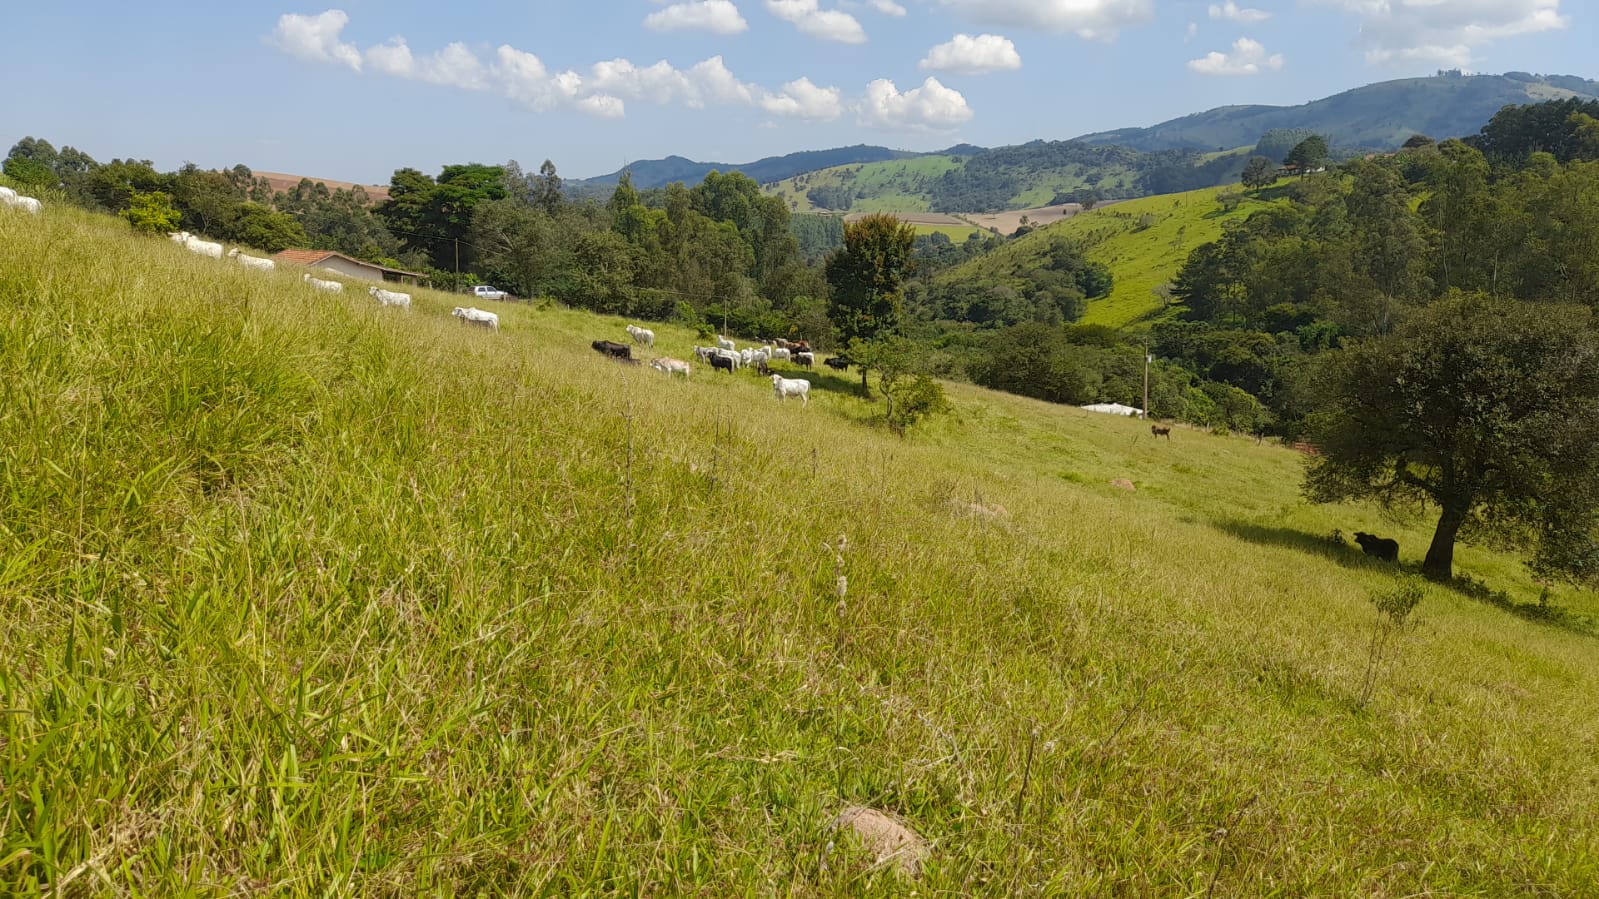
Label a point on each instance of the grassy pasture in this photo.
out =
(308, 597)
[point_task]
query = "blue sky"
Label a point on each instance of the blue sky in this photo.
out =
(355, 89)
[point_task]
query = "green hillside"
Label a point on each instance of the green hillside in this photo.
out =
(306, 597)
(1143, 242)
(1021, 177)
(1380, 115)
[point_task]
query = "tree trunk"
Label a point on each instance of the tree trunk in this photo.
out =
(865, 391)
(1440, 562)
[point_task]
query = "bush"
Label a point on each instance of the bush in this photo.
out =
(912, 399)
(151, 213)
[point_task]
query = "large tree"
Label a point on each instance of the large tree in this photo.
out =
(1486, 409)
(868, 275)
(1259, 172)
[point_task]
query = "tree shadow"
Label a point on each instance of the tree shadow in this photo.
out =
(1333, 548)
(821, 379)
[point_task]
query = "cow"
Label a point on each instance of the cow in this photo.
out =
(784, 388)
(641, 335)
(805, 358)
(1378, 547)
(669, 366)
(612, 349)
(473, 316)
(722, 363)
(1158, 431)
(839, 363)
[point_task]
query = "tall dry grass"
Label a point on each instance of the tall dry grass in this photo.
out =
(304, 596)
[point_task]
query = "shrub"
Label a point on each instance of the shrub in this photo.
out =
(151, 213)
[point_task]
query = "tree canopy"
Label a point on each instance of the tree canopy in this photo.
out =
(1484, 409)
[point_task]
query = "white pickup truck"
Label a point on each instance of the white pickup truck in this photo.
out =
(485, 292)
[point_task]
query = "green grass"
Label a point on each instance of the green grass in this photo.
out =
(307, 597)
(1141, 254)
(957, 233)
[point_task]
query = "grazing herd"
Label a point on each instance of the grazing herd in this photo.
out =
(726, 356)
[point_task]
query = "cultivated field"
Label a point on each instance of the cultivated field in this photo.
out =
(308, 597)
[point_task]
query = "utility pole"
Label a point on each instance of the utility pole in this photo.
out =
(457, 263)
(1148, 358)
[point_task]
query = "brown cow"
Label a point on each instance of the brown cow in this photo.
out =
(1158, 431)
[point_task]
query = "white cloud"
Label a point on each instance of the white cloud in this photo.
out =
(1246, 58)
(826, 24)
(719, 16)
(1232, 12)
(1088, 19)
(967, 55)
(801, 99)
(931, 107)
(1445, 32)
(453, 66)
(888, 7)
(523, 78)
(316, 38)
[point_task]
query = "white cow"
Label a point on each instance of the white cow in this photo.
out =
(785, 388)
(780, 353)
(248, 261)
(705, 352)
(724, 343)
(196, 245)
(474, 316)
(670, 366)
(390, 297)
(7, 194)
(642, 335)
(17, 201)
(319, 284)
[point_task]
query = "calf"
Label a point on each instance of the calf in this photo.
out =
(1159, 431)
(1378, 547)
(668, 366)
(613, 349)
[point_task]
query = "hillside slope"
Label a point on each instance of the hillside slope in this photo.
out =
(308, 597)
(648, 173)
(1143, 242)
(1380, 115)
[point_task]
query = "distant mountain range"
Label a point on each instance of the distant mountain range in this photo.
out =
(1199, 150)
(1378, 116)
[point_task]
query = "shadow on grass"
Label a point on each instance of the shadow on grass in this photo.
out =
(822, 379)
(1332, 547)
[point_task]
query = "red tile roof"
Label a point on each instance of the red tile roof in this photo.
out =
(304, 257)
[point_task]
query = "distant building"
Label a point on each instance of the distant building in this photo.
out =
(345, 265)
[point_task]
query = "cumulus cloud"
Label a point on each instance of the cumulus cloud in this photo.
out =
(316, 38)
(1247, 57)
(1445, 33)
(811, 19)
(604, 90)
(801, 99)
(453, 66)
(1088, 19)
(931, 107)
(1232, 12)
(887, 7)
(718, 16)
(967, 55)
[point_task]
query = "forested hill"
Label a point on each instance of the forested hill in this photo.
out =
(648, 173)
(1378, 115)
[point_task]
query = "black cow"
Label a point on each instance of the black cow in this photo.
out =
(1378, 547)
(1158, 431)
(839, 363)
(724, 363)
(613, 349)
